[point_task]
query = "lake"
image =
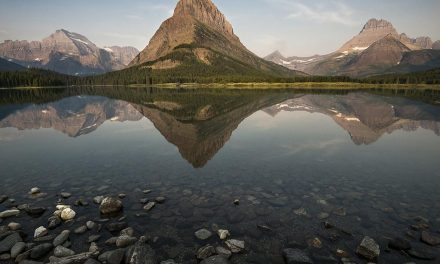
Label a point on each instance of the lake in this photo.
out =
(312, 170)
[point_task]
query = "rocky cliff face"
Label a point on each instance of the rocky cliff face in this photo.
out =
(123, 55)
(64, 52)
(372, 31)
(199, 31)
(436, 45)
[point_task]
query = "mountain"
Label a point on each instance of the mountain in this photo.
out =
(64, 52)
(123, 55)
(436, 45)
(198, 39)
(374, 50)
(380, 56)
(6, 65)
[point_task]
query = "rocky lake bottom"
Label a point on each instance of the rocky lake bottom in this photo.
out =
(280, 178)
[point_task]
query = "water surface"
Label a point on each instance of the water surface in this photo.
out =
(368, 160)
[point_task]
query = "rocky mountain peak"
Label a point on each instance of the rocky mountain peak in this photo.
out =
(378, 24)
(206, 12)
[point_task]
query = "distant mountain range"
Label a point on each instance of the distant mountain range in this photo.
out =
(377, 49)
(67, 52)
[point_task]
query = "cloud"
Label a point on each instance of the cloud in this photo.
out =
(322, 12)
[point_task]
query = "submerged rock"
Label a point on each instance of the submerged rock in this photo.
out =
(61, 238)
(235, 245)
(430, 239)
(296, 256)
(68, 214)
(61, 252)
(8, 242)
(203, 234)
(399, 244)
(110, 205)
(140, 253)
(218, 259)
(40, 232)
(205, 252)
(368, 249)
(9, 213)
(223, 234)
(41, 250)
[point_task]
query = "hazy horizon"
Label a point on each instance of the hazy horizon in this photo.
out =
(295, 28)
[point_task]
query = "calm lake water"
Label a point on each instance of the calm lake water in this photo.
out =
(366, 162)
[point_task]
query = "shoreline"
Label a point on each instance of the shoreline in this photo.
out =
(260, 86)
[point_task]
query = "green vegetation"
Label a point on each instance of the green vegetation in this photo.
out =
(193, 73)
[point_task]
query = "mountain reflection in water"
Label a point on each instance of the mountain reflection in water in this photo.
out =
(200, 123)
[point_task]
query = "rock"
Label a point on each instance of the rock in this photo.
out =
(205, 252)
(8, 242)
(296, 256)
(144, 200)
(93, 247)
(368, 249)
(61, 238)
(90, 225)
(235, 246)
(315, 242)
(116, 227)
(35, 190)
(81, 202)
(203, 234)
(125, 241)
(4, 257)
(146, 191)
(14, 226)
(61, 252)
(75, 259)
(223, 234)
(67, 214)
(80, 230)
(9, 213)
(421, 254)
(41, 250)
(169, 261)
(44, 238)
(65, 195)
(98, 199)
(17, 249)
(30, 262)
(40, 232)
(399, 244)
(223, 251)
(300, 212)
(35, 211)
(323, 216)
(92, 261)
(116, 256)
(160, 200)
(430, 239)
(23, 256)
(54, 222)
(140, 253)
(3, 198)
(110, 205)
(149, 206)
(216, 260)
(127, 232)
(236, 202)
(93, 238)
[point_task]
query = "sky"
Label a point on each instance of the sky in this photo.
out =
(294, 27)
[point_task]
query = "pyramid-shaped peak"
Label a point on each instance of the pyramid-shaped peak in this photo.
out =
(206, 12)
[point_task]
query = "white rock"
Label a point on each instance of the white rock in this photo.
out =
(61, 207)
(9, 213)
(40, 232)
(14, 226)
(35, 190)
(223, 234)
(68, 214)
